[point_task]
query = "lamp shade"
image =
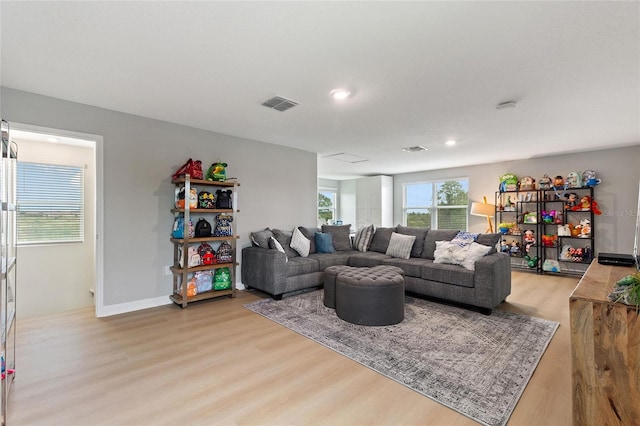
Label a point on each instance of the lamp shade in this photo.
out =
(482, 209)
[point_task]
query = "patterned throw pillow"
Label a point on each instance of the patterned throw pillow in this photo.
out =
(464, 238)
(400, 245)
(300, 243)
(363, 237)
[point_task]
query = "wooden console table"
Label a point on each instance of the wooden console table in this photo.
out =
(605, 351)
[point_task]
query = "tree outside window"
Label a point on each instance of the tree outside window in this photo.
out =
(326, 206)
(437, 204)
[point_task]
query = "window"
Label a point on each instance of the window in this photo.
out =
(437, 204)
(326, 205)
(50, 202)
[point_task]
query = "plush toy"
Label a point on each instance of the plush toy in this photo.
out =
(586, 204)
(527, 183)
(558, 182)
(589, 178)
(585, 228)
(549, 240)
(504, 247)
(508, 182)
(574, 180)
(514, 250)
(217, 172)
(572, 200)
(544, 183)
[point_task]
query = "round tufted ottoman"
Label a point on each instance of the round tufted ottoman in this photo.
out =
(370, 296)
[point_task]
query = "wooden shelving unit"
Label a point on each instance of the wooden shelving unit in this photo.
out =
(182, 274)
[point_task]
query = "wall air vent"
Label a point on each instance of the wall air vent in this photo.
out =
(416, 148)
(279, 103)
(347, 158)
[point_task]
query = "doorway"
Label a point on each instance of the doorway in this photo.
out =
(54, 277)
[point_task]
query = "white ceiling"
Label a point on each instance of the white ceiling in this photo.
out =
(423, 72)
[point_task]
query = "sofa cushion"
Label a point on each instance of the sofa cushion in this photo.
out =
(419, 233)
(368, 259)
(284, 238)
(400, 245)
(381, 238)
(362, 239)
(449, 274)
(331, 259)
(275, 245)
(341, 240)
(301, 266)
(434, 235)
(300, 243)
(261, 238)
(412, 267)
(490, 240)
(457, 253)
(310, 233)
(324, 243)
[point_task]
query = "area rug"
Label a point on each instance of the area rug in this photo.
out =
(475, 364)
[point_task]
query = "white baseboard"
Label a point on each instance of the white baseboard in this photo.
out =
(137, 305)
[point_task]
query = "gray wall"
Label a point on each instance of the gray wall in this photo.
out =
(617, 195)
(278, 184)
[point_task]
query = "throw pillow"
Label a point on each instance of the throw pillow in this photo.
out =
(284, 238)
(261, 238)
(490, 240)
(274, 244)
(464, 238)
(434, 235)
(381, 238)
(455, 254)
(340, 233)
(420, 234)
(400, 245)
(363, 237)
(300, 243)
(324, 243)
(310, 233)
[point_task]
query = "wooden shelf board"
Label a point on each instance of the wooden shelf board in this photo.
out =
(205, 182)
(178, 270)
(177, 298)
(204, 239)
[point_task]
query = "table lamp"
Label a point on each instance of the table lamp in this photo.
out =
(484, 209)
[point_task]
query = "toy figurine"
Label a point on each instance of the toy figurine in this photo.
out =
(589, 178)
(572, 200)
(558, 182)
(574, 180)
(544, 183)
(504, 247)
(515, 248)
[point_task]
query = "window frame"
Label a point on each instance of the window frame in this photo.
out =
(78, 207)
(434, 207)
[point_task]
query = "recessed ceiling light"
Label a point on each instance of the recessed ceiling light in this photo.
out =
(450, 142)
(340, 94)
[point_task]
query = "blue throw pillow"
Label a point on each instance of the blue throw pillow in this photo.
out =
(324, 243)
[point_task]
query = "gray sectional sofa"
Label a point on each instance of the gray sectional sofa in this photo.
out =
(272, 266)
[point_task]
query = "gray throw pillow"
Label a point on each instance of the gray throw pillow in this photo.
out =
(490, 240)
(381, 238)
(340, 235)
(284, 238)
(310, 233)
(419, 233)
(261, 238)
(434, 235)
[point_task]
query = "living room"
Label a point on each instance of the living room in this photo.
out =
(279, 183)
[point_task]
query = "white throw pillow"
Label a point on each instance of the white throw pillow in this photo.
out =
(275, 244)
(400, 245)
(300, 243)
(362, 239)
(455, 254)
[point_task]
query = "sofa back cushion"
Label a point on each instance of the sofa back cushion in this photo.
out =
(261, 238)
(310, 233)
(434, 235)
(419, 233)
(340, 234)
(381, 239)
(490, 240)
(284, 238)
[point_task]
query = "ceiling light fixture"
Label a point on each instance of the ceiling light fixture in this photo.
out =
(450, 142)
(340, 94)
(416, 148)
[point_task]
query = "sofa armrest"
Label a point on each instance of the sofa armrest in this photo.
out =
(264, 269)
(492, 280)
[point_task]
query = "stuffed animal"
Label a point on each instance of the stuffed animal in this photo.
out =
(514, 250)
(585, 228)
(217, 172)
(572, 200)
(544, 183)
(564, 230)
(586, 204)
(558, 182)
(589, 178)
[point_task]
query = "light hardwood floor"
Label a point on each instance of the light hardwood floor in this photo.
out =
(217, 363)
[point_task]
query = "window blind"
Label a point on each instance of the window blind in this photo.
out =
(50, 203)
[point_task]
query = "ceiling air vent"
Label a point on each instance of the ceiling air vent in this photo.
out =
(416, 148)
(279, 104)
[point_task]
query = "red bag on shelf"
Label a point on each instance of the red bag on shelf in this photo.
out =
(192, 167)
